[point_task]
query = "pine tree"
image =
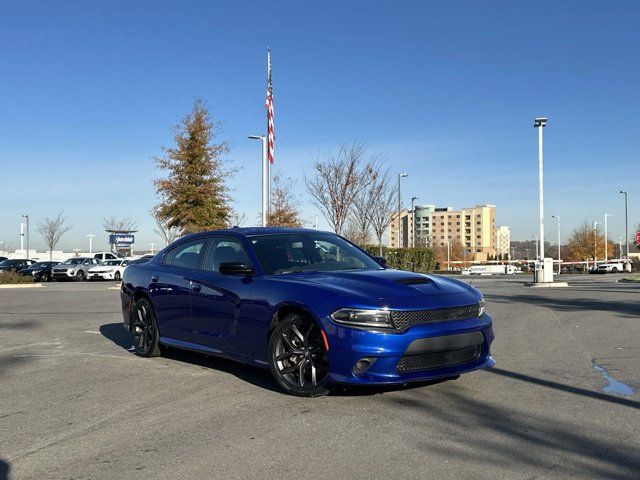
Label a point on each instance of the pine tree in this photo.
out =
(193, 196)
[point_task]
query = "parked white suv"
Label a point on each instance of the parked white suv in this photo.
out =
(75, 268)
(108, 270)
(614, 266)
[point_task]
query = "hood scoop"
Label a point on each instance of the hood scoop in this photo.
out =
(413, 281)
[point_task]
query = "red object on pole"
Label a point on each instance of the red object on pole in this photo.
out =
(271, 135)
(638, 238)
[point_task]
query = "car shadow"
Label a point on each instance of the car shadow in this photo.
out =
(251, 374)
(4, 470)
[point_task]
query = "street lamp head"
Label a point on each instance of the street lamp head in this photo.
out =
(623, 191)
(255, 137)
(414, 198)
(403, 174)
(540, 122)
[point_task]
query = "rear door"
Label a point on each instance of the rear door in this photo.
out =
(218, 301)
(170, 289)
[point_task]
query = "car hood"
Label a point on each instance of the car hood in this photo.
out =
(383, 284)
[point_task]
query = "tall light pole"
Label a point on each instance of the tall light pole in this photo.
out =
(557, 217)
(27, 219)
(21, 236)
(400, 175)
(413, 222)
(90, 237)
(606, 237)
(595, 242)
(265, 177)
(537, 244)
(626, 222)
(540, 123)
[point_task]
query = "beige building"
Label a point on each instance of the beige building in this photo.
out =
(473, 228)
(503, 241)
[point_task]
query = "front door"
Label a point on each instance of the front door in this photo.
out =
(217, 300)
(170, 289)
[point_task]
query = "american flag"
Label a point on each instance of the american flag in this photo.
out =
(269, 106)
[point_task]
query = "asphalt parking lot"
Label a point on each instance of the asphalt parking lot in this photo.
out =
(75, 403)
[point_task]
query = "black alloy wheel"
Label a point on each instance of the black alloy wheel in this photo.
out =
(116, 276)
(44, 277)
(80, 276)
(144, 329)
(298, 358)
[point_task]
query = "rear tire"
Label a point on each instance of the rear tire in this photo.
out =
(144, 329)
(298, 357)
(44, 277)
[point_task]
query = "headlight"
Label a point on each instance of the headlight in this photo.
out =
(363, 318)
(481, 309)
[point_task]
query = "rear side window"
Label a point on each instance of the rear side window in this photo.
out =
(185, 255)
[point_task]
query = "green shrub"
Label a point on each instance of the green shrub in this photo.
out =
(12, 277)
(412, 259)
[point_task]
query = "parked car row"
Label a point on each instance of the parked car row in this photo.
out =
(102, 266)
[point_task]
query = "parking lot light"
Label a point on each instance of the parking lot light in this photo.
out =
(557, 217)
(265, 176)
(606, 236)
(400, 176)
(626, 221)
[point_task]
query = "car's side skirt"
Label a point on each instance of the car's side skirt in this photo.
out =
(195, 347)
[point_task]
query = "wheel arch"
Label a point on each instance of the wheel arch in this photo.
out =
(286, 309)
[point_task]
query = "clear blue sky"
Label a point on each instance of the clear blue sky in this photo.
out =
(448, 90)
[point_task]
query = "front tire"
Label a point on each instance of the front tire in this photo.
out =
(80, 276)
(116, 276)
(144, 329)
(298, 357)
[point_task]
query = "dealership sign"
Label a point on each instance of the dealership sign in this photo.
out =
(121, 239)
(638, 238)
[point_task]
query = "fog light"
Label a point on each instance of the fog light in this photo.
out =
(363, 365)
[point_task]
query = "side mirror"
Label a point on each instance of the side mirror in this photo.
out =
(381, 261)
(235, 268)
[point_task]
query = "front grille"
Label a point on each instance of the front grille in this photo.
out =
(409, 318)
(427, 361)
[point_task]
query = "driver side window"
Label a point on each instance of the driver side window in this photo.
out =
(224, 250)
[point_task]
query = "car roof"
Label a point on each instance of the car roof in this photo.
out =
(249, 231)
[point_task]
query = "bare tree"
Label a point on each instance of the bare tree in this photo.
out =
(237, 219)
(284, 208)
(360, 216)
(167, 233)
(124, 224)
(52, 230)
(381, 205)
(338, 179)
(353, 233)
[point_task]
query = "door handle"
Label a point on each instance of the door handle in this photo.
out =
(154, 278)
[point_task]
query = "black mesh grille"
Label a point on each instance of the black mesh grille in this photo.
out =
(409, 318)
(426, 361)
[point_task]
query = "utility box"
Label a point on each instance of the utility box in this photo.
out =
(543, 272)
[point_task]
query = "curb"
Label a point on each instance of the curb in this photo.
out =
(21, 285)
(546, 284)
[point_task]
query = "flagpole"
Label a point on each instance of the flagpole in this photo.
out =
(268, 164)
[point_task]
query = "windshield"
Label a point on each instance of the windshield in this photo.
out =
(308, 252)
(111, 263)
(73, 261)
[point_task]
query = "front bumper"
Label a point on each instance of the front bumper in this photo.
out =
(100, 275)
(65, 275)
(424, 343)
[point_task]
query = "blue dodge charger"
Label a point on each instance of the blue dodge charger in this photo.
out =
(308, 305)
